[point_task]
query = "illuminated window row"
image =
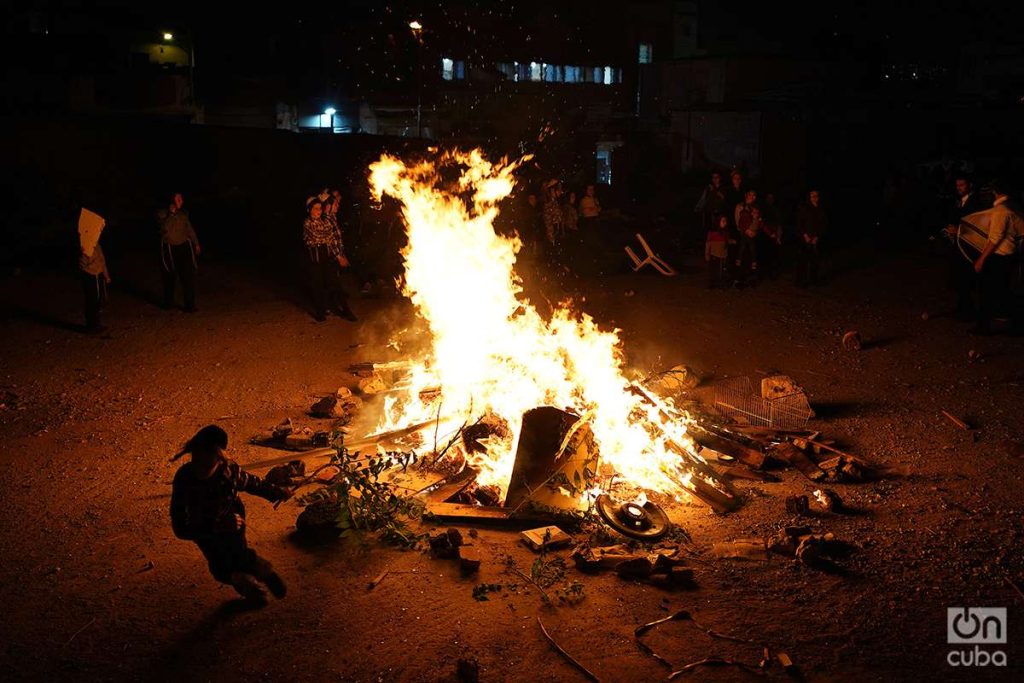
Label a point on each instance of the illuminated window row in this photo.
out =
(455, 70)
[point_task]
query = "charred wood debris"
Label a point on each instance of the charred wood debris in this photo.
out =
(400, 484)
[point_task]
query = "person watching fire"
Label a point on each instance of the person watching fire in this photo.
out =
(326, 254)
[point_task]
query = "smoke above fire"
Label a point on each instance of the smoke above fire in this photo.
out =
(491, 352)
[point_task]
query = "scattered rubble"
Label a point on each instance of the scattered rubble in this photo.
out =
(286, 435)
(814, 550)
(845, 468)
(449, 545)
(342, 405)
(282, 429)
(319, 519)
(545, 538)
(851, 341)
(829, 501)
(755, 549)
(661, 566)
(470, 560)
(377, 579)
(287, 474)
(445, 545)
(480, 591)
(797, 505)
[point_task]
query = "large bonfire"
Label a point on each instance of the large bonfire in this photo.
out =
(492, 352)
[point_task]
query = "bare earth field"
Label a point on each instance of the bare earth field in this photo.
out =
(94, 586)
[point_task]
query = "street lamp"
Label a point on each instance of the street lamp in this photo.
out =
(417, 31)
(169, 37)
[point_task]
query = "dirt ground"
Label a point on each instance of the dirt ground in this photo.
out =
(93, 584)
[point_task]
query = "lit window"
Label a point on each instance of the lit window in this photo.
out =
(572, 74)
(597, 74)
(552, 73)
(460, 70)
(507, 69)
(447, 69)
(646, 55)
(609, 75)
(604, 166)
(535, 71)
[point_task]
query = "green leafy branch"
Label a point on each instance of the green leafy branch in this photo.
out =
(364, 503)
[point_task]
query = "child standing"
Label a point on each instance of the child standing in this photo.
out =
(716, 250)
(206, 509)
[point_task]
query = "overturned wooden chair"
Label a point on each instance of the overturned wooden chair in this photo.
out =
(650, 259)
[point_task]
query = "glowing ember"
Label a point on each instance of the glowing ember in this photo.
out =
(491, 351)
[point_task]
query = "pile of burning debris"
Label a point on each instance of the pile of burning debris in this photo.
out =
(518, 419)
(621, 529)
(558, 477)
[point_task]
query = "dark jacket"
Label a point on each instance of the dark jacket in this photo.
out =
(973, 204)
(733, 198)
(198, 506)
(811, 220)
(712, 201)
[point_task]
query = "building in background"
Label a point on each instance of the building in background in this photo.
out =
(597, 92)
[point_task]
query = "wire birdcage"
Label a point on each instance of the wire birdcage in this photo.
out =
(737, 399)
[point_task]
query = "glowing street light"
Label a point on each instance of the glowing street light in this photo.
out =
(415, 25)
(168, 36)
(330, 111)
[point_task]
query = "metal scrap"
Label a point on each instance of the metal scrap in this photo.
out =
(685, 615)
(572, 660)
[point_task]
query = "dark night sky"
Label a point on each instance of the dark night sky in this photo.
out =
(296, 50)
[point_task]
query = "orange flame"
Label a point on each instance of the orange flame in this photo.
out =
(492, 351)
